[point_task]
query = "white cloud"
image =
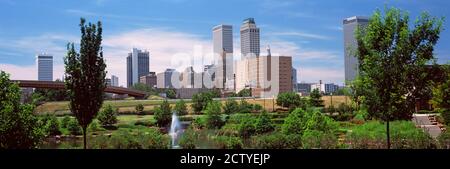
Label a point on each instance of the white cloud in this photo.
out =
(301, 34)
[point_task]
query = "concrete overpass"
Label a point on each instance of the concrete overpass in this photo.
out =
(60, 85)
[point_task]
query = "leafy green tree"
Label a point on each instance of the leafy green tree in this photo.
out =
(52, 126)
(245, 93)
(200, 100)
(181, 108)
(171, 94)
(290, 100)
(139, 109)
(65, 121)
(441, 97)
(316, 98)
(107, 116)
(213, 115)
(392, 57)
(19, 127)
(264, 124)
(245, 107)
(73, 127)
(163, 114)
(187, 140)
(231, 106)
(294, 123)
(85, 75)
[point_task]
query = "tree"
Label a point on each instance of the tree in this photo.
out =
(264, 124)
(52, 126)
(171, 94)
(181, 108)
(213, 115)
(231, 106)
(19, 127)
(163, 114)
(139, 108)
(316, 98)
(290, 100)
(245, 93)
(441, 96)
(391, 59)
(107, 116)
(85, 75)
(199, 101)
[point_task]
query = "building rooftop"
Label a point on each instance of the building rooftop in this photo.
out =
(249, 20)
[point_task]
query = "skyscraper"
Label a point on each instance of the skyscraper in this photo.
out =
(223, 39)
(350, 45)
(138, 64)
(114, 81)
(45, 67)
(250, 45)
(294, 79)
(223, 48)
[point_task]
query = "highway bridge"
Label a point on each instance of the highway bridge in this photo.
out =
(60, 85)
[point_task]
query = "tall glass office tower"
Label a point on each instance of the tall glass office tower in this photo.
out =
(137, 65)
(45, 67)
(350, 45)
(250, 45)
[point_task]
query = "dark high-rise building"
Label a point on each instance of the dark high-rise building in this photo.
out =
(250, 44)
(138, 64)
(350, 45)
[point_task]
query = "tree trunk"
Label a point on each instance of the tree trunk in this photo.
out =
(387, 135)
(84, 137)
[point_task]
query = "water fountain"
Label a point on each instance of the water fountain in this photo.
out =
(175, 129)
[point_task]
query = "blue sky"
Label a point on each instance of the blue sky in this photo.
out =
(310, 31)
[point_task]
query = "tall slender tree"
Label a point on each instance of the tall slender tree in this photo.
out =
(392, 56)
(85, 75)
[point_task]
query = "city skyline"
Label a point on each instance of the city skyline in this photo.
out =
(314, 39)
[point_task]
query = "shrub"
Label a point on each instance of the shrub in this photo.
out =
(444, 140)
(93, 126)
(445, 114)
(144, 123)
(257, 108)
(73, 127)
(245, 93)
(213, 115)
(264, 124)
(65, 121)
(226, 142)
(146, 138)
(245, 107)
(107, 116)
(247, 127)
(199, 122)
(299, 121)
(294, 123)
(231, 106)
(171, 94)
(52, 126)
(229, 129)
(319, 139)
(181, 108)
(188, 139)
(276, 140)
(163, 114)
(139, 109)
(404, 135)
(200, 101)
